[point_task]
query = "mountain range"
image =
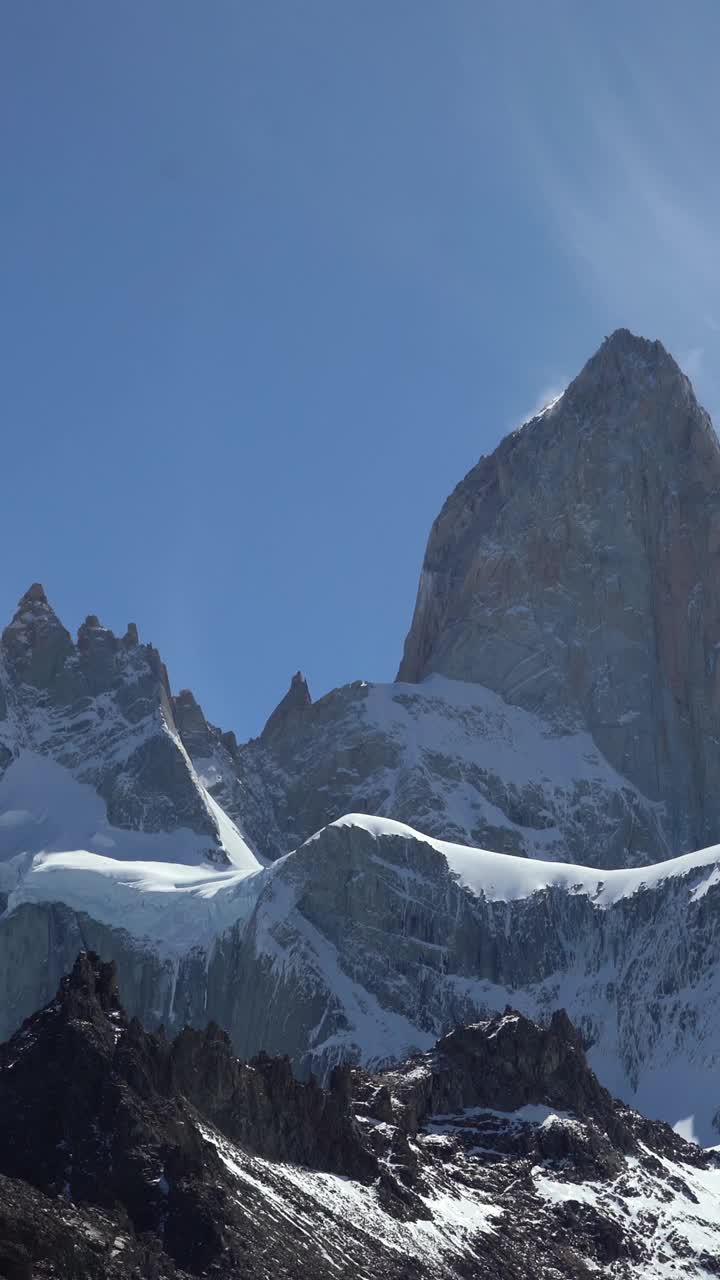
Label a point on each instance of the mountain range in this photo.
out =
(514, 821)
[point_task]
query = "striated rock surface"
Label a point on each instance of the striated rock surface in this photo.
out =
(127, 1155)
(575, 572)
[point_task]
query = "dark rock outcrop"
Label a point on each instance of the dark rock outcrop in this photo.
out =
(123, 1154)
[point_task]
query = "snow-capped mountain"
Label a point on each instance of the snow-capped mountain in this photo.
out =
(226, 880)
(495, 1153)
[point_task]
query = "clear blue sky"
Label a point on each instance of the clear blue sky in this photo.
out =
(274, 275)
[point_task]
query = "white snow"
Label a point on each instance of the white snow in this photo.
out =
(682, 1222)
(505, 877)
(56, 845)
(477, 732)
(172, 905)
(530, 1114)
(329, 1202)
(55, 841)
(44, 809)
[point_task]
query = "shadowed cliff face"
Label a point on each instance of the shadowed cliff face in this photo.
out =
(575, 572)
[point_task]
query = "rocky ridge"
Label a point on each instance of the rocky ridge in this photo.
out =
(124, 1154)
(97, 712)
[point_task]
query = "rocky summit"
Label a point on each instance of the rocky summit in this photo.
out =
(496, 1153)
(574, 572)
(525, 818)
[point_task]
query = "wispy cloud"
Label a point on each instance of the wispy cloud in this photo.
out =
(544, 399)
(691, 362)
(626, 180)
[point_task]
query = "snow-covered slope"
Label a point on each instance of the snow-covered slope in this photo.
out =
(389, 939)
(449, 758)
(44, 809)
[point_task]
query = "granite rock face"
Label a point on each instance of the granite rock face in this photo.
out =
(575, 572)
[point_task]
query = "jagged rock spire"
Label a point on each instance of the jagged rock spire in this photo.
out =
(296, 700)
(36, 643)
(191, 724)
(91, 982)
(34, 595)
(93, 636)
(131, 638)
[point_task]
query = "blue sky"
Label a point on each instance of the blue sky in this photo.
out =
(274, 275)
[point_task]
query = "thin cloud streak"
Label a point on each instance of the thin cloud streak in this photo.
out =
(548, 396)
(628, 190)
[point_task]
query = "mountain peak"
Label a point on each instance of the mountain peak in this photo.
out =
(624, 340)
(296, 700)
(35, 594)
(624, 367)
(35, 642)
(91, 982)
